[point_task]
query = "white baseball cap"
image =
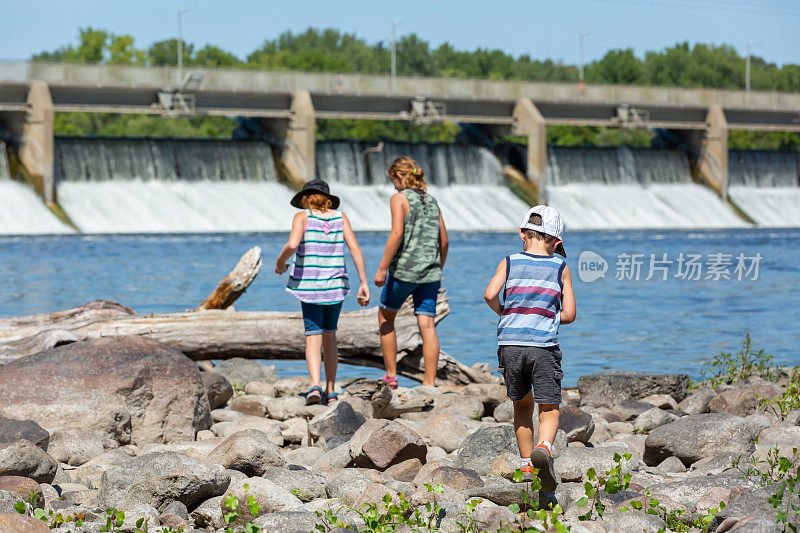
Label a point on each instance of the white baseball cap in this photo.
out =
(552, 224)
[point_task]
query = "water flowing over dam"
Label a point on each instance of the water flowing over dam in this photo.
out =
(21, 209)
(467, 181)
(615, 188)
(766, 186)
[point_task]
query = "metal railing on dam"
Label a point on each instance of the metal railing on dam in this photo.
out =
(339, 95)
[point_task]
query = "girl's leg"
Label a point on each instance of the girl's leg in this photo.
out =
(314, 358)
(331, 360)
(388, 340)
(430, 348)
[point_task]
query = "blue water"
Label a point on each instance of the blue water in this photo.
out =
(661, 326)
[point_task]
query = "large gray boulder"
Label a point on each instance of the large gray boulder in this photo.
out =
(76, 446)
(480, 449)
(159, 478)
(23, 458)
(609, 388)
(744, 400)
(336, 425)
(134, 389)
(249, 452)
(695, 437)
(697, 402)
(12, 430)
(381, 443)
(242, 371)
(270, 497)
(573, 463)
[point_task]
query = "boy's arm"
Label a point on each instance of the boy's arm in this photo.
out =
(492, 293)
(295, 236)
(568, 309)
(358, 259)
(444, 243)
(394, 240)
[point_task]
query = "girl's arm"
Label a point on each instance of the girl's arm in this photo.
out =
(358, 259)
(397, 205)
(295, 236)
(568, 309)
(492, 293)
(444, 244)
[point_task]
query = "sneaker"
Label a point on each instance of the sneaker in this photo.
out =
(528, 474)
(541, 459)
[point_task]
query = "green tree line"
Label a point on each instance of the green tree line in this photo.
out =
(682, 65)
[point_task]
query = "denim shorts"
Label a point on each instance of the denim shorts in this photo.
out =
(319, 319)
(395, 292)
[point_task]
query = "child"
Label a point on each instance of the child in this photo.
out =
(319, 278)
(538, 297)
(412, 265)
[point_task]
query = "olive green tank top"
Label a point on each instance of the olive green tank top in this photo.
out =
(417, 260)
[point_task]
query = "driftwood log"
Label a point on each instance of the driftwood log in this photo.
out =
(219, 334)
(236, 282)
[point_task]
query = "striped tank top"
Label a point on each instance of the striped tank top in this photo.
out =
(319, 274)
(532, 300)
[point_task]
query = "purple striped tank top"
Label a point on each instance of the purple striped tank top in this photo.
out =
(318, 274)
(532, 300)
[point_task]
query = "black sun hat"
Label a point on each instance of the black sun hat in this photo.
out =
(314, 186)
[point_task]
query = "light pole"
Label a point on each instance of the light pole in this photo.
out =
(181, 11)
(750, 44)
(395, 24)
(583, 35)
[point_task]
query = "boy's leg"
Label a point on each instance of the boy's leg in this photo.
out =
(523, 425)
(430, 348)
(548, 422)
(542, 456)
(331, 360)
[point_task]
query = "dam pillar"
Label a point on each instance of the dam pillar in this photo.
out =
(36, 145)
(711, 151)
(299, 147)
(529, 121)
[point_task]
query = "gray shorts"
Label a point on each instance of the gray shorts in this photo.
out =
(526, 367)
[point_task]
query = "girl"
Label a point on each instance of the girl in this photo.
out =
(319, 278)
(412, 265)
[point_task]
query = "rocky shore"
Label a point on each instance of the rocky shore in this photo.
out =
(94, 430)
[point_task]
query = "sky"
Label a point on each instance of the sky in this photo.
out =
(539, 28)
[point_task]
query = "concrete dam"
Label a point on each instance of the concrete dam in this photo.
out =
(127, 185)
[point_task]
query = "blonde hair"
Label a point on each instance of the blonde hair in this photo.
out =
(316, 202)
(408, 171)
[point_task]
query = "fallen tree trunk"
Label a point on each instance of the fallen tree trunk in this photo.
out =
(218, 334)
(236, 282)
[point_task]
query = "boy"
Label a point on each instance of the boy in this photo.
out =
(538, 297)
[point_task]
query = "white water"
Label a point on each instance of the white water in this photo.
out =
(768, 206)
(623, 206)
(22, 212)
(176, 206)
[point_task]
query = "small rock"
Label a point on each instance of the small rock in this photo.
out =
(742, 401)
(208, 515)
(505, 464)
(304, 484)
(480, 449)
(716, 463)
(573, 463)
(225, 415)
(12, 430)
(218, 389)
(620, 428)
(639, 522)
(653, 418)
(347, 485)
(491, 394)
(628, 411)
(504, 412)
(270, 497)
(249, 452)
(308, 456)
(17, 523)
(336, 425)
(23, 458)
(173, 521)
(248, 405)
(338, 457)
(502, 494)
(672, 465)
(610, 388)
(492, 516)
(295, 432)
(291, 407)
(291, 386)
(374, 494)
(447, 431)
(205, 434)
(405, 471)
(260, 388)
(787, 436)
(576, 423)
(698, 402)
(76, 446)
(382, 443)
(288, 522)
(456, 478)
(7, 501)
(21, 488)
(242, 371)
(662, 401)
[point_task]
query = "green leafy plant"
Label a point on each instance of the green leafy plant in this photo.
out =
(232, 503)
(114, 520)
(611, 482)
(548, 518)
(728, 368)
(51, 518)
(470, 524)
(786, 501)
(789, 399)
(238, 388)
(675, 519)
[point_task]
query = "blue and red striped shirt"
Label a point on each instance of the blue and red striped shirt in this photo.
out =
(532, 300)
(319, 275)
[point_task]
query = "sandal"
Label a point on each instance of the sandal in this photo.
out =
(314, 396)
(390, 381)
(331, 397)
